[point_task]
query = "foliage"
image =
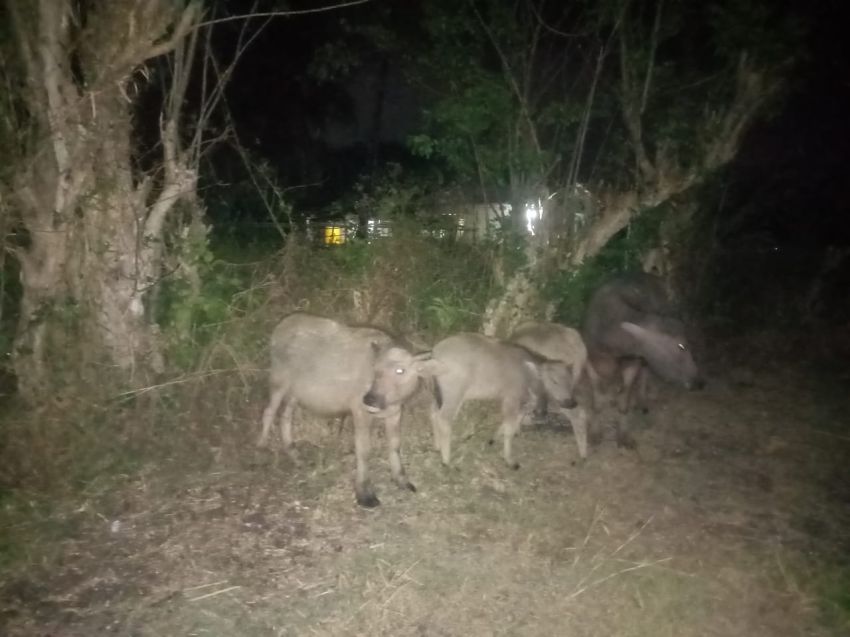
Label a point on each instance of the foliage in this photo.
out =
(474, 123)
(507, 95)
(768, 31)
(384, 194)
(409, 282)
(834, 597)
(190, 309)
(570, 290)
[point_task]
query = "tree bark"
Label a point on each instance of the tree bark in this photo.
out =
(94, 229)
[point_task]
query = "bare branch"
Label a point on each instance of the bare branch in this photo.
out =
(630, 105)
(575, 161)
(509, 74)
(548, 26)
(179, 181)
(618, 210)
(184, 54)
(653, 47)
(181, 30)
(284, 14)
(211, 101)
(750, 95)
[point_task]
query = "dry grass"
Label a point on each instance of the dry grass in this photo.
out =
(717, 527)
(154, 514)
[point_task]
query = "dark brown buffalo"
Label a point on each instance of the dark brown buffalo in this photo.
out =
(631, 325)
(333, 369)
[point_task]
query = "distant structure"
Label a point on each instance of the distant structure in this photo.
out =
(336, 232)
(453, 216)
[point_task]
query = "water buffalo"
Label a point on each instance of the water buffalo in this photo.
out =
(476, 367)
(559, 343)
(630, 324)
(333, 369)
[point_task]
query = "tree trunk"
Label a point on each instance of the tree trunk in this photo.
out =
(94, 229)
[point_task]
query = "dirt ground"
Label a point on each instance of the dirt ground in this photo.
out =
(730, 518)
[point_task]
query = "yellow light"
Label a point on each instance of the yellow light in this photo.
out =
(334, 235)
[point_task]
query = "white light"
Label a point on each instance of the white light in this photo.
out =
(532, 214)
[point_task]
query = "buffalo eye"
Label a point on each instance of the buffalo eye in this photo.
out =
(682, 347)
(399, 370)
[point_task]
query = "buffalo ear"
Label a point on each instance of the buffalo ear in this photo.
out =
(428, 367)
(634, 329)
(534, 368)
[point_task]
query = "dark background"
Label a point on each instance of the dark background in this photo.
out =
(772, 220)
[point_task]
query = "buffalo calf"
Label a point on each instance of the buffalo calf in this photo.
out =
(559, 343)
(332, 369)
(476, 367)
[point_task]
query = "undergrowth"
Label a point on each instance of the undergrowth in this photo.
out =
(206, 407)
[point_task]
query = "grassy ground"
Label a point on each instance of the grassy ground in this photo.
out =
(729, 519)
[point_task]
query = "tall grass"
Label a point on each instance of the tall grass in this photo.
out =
(206, 407)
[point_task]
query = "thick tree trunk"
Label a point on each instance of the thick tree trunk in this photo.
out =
(94, 230)
(84, 280)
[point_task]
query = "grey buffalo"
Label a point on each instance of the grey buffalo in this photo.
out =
(470, 366)
(630, 324)
(558, 342)
(332, 369)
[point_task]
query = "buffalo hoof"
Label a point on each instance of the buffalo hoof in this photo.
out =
(491, 442)
(409, 486)
(626, 441)
(514, 466)
(538, 417)
(368, 500)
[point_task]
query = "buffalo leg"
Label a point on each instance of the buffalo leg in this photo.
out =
(541, 409)
(630, 370)
(512, 418)
(578, 419)
(362, 445)
(269, 413)
(392, 424)
(441, 421)
(286, 425)
(593, 377)
(594, 435)
(645, 389)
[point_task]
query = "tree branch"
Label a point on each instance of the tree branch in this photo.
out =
(187, 22)
(650, 65)
(632, 112)
(581, 135)
(178, 181)
(509, 74)
(750, 95)
(285, 14)
(617, 211)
